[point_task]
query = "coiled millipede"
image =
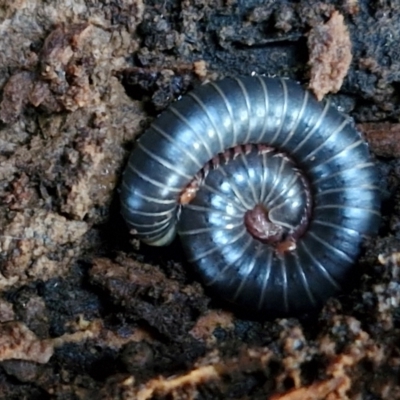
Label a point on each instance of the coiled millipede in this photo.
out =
(270, 191)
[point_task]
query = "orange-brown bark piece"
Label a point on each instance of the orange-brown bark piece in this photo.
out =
(316, 391)
(18, 342)
(330, 55)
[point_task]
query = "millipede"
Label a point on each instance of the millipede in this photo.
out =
(270, 191)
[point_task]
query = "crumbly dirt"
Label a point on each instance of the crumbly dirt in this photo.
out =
(88, 312)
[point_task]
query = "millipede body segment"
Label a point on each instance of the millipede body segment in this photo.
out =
(270, 191)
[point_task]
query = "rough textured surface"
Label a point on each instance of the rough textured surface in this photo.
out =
(384, 138)
(87, 312)
(329, 46)
(31, 241)
(18, 342)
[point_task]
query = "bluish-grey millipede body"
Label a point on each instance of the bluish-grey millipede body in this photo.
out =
(270, 191)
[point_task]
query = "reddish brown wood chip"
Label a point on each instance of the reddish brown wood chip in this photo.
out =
(383, 137)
